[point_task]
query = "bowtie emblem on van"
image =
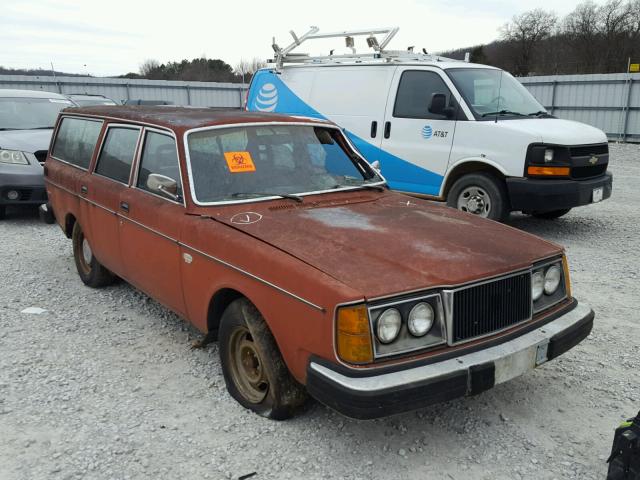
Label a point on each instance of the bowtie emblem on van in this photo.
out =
(427, 132)
(593, 160)
(267, 98)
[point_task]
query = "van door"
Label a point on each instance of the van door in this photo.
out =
(151, 222)
(418, 130)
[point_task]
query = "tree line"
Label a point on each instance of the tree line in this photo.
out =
(592, 38)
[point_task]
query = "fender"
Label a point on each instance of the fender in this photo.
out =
(482, 160)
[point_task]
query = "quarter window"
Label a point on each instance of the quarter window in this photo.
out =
(159, 156)
(117, 153)
(415, 92)
(76, 141)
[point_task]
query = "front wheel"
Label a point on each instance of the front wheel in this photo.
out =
(481, 194)
(551, 215)
(254, 370)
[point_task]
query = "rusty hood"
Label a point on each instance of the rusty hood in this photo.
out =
(382, 244)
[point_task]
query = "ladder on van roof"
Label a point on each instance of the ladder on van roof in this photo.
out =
(379, 54)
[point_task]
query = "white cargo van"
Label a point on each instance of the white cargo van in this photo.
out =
(467, 134)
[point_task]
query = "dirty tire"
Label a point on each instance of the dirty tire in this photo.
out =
(492, 189)
(553, 214)
(254, 370)
(91, 272)
(3, 212)
(46, 216)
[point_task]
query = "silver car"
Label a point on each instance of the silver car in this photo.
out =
(26, 124)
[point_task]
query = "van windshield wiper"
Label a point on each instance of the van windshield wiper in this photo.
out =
(539, 113)
(267, 194)
(503, 112)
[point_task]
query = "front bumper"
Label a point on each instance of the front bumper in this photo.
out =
(27, 181)
(544, 195)
(379, 395)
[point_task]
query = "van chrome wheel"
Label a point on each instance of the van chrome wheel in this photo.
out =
(474, 200)
(247, 366)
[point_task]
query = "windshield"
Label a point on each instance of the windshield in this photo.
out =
(490, 92)
(29, 113)
(233, 164)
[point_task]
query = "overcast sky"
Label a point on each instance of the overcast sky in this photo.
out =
(113, 37)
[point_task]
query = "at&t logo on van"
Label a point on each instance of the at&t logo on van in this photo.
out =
(427, 132)
(267, 99)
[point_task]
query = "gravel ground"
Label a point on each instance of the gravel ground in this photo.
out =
(104, 383)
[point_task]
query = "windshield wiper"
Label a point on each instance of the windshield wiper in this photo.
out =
(268, 194)
(503, 112)
(539, 113)
(379, 188)
(41, 128)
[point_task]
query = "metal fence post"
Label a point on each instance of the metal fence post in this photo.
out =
(553, 96)
(626, 114)
(188, 94)
(128, 92)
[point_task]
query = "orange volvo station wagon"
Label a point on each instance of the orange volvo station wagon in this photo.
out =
(274, 236)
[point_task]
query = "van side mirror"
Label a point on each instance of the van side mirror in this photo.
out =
(163, 185)
(438, 105)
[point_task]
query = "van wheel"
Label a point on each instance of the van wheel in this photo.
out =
(91, 272)
(481, 194)
(254, 371)
(550, 215)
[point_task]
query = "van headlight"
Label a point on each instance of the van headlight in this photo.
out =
(14, 157)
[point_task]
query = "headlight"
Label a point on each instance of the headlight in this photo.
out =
(537, 285)
(389, 324)
(421, 319)
(14, 157)
(552, 279)
(548, 155)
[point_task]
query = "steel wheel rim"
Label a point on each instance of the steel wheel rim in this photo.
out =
(247, 367)
(86, 255)
(475, 200)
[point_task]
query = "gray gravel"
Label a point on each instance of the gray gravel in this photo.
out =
(104, 383)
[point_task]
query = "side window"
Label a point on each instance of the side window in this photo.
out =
(159, 156)
(117, 153)
(415, 91)
(76, 141)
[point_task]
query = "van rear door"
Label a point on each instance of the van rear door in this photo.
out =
(418, 130)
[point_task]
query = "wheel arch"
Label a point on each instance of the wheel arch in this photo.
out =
(464, 167)
(69, 223)
(218, 303)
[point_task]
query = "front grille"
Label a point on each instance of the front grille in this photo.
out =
(589, 160)
(490, 307)
(590, 171)
(41, 155)
(588, 150)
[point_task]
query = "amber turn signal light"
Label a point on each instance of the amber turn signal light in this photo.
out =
(353, 335)
(549, 171)
(567, 278)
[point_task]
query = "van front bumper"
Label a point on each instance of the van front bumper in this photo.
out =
(366, 395)
(544, 195)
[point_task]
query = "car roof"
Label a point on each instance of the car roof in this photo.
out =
(444, 65)
(14, 93)
(181, 119)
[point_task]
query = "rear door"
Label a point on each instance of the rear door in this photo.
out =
(419, 138)
(151, 222)
(109, 180)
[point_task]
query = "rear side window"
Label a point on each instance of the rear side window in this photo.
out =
(159, 156)
(117, 153)
(76, 141)
(415, 92)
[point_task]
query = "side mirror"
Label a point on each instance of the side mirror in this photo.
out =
(438, 105)
(163, 185)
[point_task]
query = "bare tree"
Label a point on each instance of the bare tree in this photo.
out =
(148, 67)
(582, 33)
(525, 32)
(246, 68)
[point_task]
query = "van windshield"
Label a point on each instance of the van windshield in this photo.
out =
(490, 92)
(240, 163)
(19, 113)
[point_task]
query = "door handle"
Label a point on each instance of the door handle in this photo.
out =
(84, 190)
(374, 129)
(124, 206)
(387, 129)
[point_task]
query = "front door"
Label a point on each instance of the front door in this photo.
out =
(418, 135)
(150, 223)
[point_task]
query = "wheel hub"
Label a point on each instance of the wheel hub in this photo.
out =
(246, 366)
(474, 200)
(87, 254)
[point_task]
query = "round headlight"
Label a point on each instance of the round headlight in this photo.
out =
(389, 324)
(421, 319)
(552, 279)
(537, 285)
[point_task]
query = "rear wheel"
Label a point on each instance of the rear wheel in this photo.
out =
(254, 370)
(91, 272)
(481, 194)
(550, 215)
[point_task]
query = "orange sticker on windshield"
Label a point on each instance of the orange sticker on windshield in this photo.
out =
(239, 162)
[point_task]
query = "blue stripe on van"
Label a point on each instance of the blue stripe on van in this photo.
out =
(270, 94)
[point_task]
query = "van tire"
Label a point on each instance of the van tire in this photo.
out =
(490, 191)
(551, 215)
(253, 368)
(91, 271)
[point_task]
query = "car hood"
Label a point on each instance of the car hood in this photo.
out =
(556, 131)
(26, 140)
(383, 244)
